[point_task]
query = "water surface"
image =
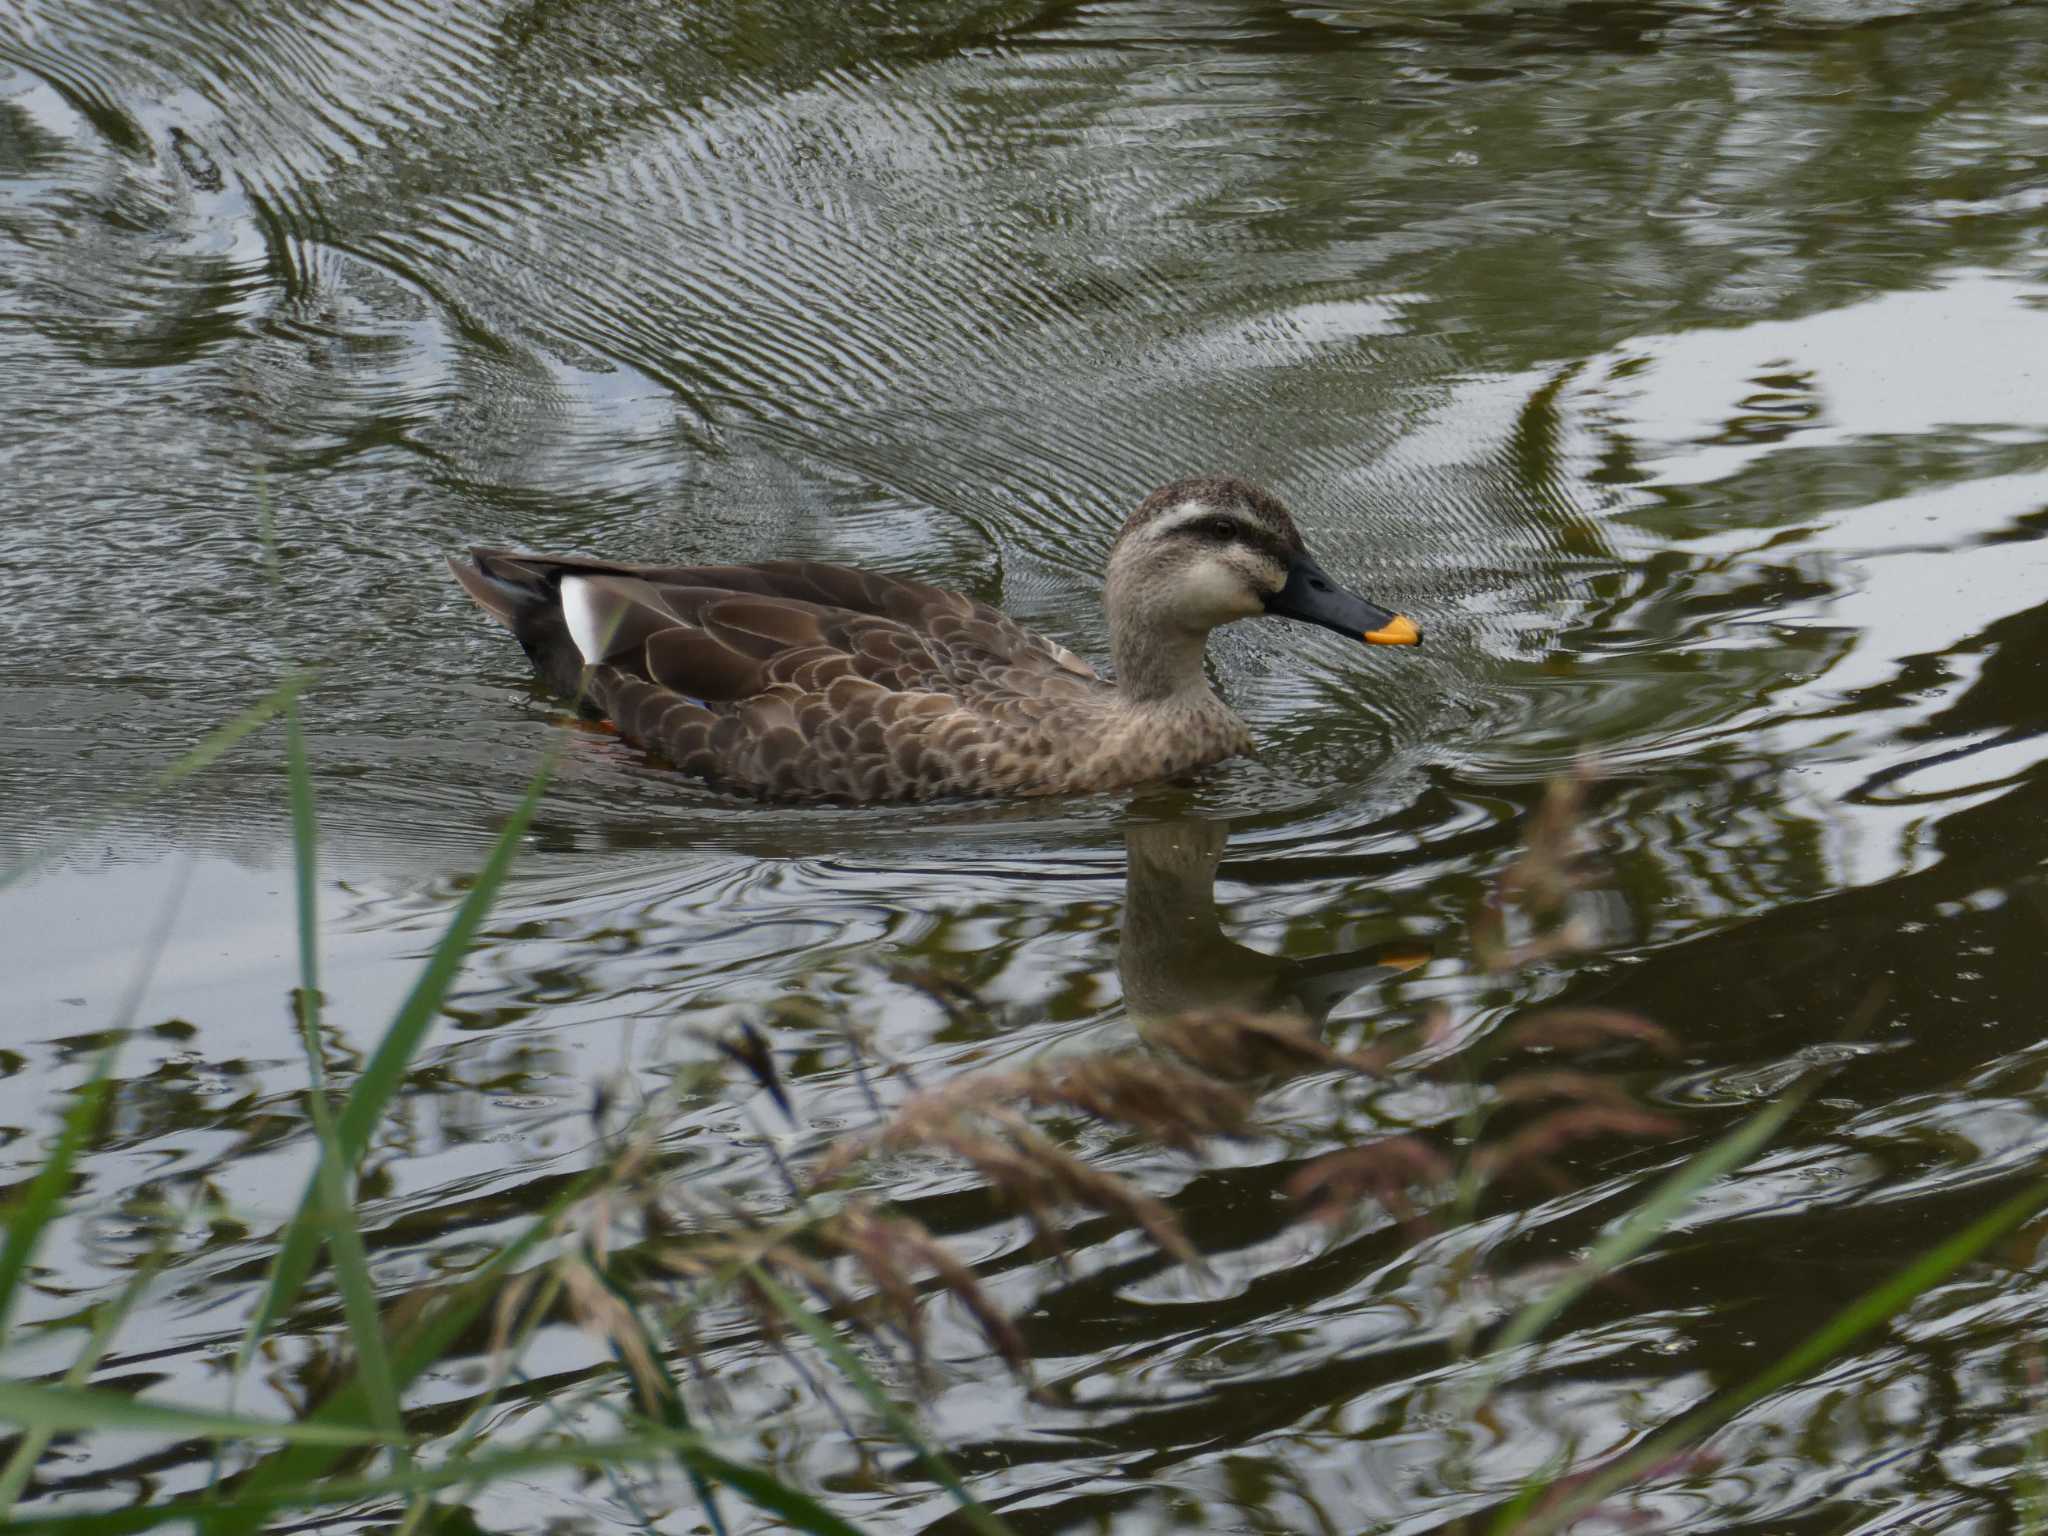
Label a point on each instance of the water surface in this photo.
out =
(1677, 365)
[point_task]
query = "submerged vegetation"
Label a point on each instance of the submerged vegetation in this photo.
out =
(830, 1272)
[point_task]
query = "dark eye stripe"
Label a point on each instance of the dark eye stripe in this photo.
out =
(1229, 530)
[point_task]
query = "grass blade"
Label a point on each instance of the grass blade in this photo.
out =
(1642, 1227)
(306, 883)
(45, 1196)
(36, 1406)
(249, 1508)
(422, 1345)
(900, 1424)
(106, 1323)
(1666, 1203)
(1875, 1307)
(639, 1357)
(380, 1079)
(335, 1173)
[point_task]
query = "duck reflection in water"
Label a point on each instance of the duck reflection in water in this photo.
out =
(1175, 957)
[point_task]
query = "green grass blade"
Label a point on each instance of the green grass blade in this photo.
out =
(900, 1424)
(335, 1173)
(1642, 1227)
(106, 1323)
(212, 746)
(250, 1508)
(1885, 1300)
(29, 1220)
(299, 791)
(56, 1409)
(1872, 1309)
(477, 1415)
(380, 1079)
(359, 1301)
(306, 883)
(670, 1410)
(802, 1511)
(421, 1346)
(2031, 1480)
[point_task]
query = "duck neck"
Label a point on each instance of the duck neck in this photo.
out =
(1162, 667)
(1158, 661)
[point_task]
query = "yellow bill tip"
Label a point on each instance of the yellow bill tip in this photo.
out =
(1399, 630)
(1396, 957)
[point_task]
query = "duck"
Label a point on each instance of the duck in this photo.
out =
(799, 680)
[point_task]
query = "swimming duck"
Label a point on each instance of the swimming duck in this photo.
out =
(798, 680)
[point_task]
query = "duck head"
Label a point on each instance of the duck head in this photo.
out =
(1209, 550)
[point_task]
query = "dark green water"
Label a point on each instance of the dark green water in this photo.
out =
(1679, 366)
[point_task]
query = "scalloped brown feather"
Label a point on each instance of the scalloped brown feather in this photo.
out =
(796, 680)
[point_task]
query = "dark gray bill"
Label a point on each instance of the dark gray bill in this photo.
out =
(1315, 599)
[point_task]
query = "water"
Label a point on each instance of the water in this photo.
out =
(1677, 366)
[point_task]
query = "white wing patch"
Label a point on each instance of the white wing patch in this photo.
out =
(579, 611)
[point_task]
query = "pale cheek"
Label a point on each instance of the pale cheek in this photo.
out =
(1215, 594)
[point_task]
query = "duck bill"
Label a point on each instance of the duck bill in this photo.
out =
(1312, 597)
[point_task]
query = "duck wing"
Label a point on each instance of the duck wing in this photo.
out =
(790, 679)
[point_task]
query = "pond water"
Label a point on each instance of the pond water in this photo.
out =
(1680, 368)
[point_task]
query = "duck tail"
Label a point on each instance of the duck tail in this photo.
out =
(512, 590)
(524, 593)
